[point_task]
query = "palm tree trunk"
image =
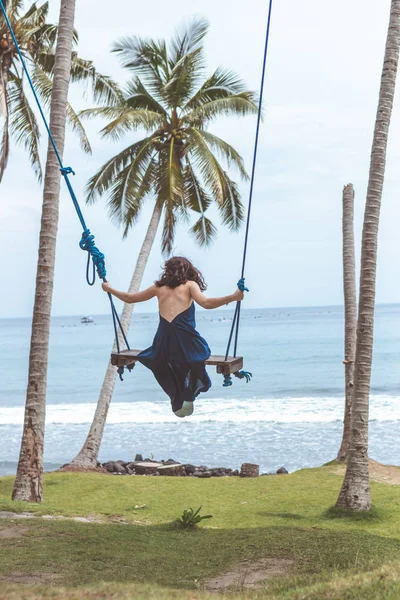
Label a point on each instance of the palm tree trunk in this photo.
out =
(29, 481)
(4, 113)
(87, 457)
(350, 311)
(4, 73)
(355, 493)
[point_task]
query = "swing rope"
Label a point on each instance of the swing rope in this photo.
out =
(234, 333)
(87, 241)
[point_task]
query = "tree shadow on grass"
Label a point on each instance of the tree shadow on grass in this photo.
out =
(374, 514)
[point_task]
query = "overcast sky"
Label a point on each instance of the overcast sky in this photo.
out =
(320, 102)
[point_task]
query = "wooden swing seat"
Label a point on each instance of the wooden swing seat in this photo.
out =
(232, 365)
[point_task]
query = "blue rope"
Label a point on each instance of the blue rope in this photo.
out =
(87, 241)
(241, 283)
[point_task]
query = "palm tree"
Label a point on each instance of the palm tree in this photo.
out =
(350, 309)
(37, 40)
(169, 98)
(355, 493)
(29, 481)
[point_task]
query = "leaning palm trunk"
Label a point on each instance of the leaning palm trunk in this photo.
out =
(29, 481)
(87, 457)
(355, 493)
(350, 312)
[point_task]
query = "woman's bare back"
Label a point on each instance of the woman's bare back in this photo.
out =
(173, 301)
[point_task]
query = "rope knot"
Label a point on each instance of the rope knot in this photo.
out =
(67, 171)
(241, 285)
(244, 375)
(87, 243)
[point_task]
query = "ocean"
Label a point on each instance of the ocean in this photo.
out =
(289, 415)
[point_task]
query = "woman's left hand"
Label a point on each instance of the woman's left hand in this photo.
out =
(106, 285)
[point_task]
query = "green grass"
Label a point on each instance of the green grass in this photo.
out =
(288, 517)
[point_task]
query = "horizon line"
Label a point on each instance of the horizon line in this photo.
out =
(324, 306)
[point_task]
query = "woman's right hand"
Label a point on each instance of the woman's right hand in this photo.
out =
(106, 285)
(238, 296)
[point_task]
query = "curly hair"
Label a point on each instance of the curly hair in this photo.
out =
(177, 271)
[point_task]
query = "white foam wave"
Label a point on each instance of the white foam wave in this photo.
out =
(278, 410)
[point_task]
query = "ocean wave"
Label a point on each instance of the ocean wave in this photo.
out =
(383, 408)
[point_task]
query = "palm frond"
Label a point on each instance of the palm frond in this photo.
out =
(13, 7)
(45, 60)
(137, 97)
(239, 105)
(170, 191)
(35, 15)
(23, 124)
(226, 151)
(46, 35)
(104, 89)
(204, 231)
(184, 78)
(144, 190)
(76, 125)
(102, 181)
(146, 58)
(124, 200)
(124, 120)
(232, 209)
(197, 200)
(188, 39)
(210, 170)
(168, 230)
(196, 197)
(224, 191)
(44, 87)
(221, 84)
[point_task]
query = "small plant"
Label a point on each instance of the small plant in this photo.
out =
(190, 518)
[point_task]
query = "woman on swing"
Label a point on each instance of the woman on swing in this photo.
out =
(178, 354)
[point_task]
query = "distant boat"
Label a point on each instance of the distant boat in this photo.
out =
(87, 320)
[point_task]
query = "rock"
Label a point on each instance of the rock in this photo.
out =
(282, 471)
(235, 473)
(220, 472)
(172, 470)
(249, 470)
(138, 458)
(147, 468)
(189, 469)
(170, 461)
(121, 462)
(109, 466)
(115, 466)
(202, 474)
(119, 468)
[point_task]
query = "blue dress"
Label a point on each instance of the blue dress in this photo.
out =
(177, 358)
